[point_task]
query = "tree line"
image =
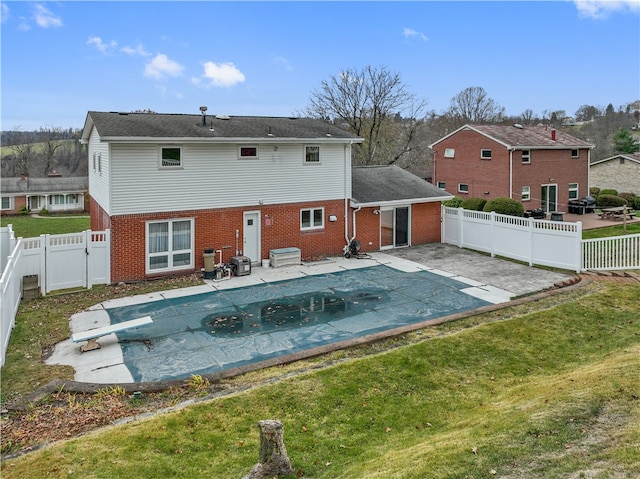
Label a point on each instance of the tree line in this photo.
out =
(375, 104)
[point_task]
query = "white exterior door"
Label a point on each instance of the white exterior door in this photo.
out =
(251, 235)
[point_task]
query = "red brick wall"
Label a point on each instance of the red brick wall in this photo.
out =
(280, 227)
(466, 167)
(492, 176)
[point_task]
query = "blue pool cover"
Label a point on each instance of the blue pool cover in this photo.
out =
(210, 332)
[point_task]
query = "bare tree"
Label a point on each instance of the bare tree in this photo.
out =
(376, 105)
(473, 105)
(527, 116)
(24, 156)
(50, 144)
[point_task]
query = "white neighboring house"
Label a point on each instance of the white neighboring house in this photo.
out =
(620, 172)
(55, 193)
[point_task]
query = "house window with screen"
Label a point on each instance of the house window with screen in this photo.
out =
(573, 191)
(6, 203)
(312, 154)
(449, 152)
(575, 153)
(526, 156)
(170, 157)
(169, 245)
(442, 185)
(525, 195)
(248, 152)
(463, 188)
(311, 219)
(56, 200)
(485, 154)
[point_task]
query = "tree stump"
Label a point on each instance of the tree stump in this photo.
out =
(272, 459)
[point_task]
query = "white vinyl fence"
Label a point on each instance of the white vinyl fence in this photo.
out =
(536, 242)
(76, 260)
(548, 243)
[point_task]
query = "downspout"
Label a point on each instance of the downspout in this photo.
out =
(354, 224)
(511, 174)
(346, 189)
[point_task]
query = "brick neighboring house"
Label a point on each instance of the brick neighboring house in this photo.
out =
(170, 186)
(537, 165)
(55, 193)
(620, 172)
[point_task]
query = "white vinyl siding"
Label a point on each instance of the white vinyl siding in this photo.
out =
(212, 177)
(99, 180)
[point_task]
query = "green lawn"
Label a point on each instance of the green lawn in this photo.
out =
(549, 388)
(30, 226)
(609, 231)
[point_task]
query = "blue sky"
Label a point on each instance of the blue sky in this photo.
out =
(61, 59)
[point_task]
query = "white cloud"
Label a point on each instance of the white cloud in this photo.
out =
(160, 66)
(221, 74)
(598, 9)
(100, 45)
(411, 33)
(283, 62)
(4, 12)
(137, 50)
(45, 18)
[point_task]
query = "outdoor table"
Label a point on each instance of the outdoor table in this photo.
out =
(617, 212)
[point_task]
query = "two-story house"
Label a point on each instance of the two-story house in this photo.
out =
(540, 166)
(170, 186)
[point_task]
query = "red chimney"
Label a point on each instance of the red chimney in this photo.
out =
(553, 134)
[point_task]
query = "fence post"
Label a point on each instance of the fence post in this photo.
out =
(580, 256)
(493, 236)
(44, 243)
(88, 249)
(531, 240)
(460, 217)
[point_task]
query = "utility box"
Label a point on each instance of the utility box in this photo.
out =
(242, 265)
(284, 257)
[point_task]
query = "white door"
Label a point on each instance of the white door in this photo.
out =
(251, 235)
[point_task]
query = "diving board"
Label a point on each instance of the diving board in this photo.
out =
(92, 335)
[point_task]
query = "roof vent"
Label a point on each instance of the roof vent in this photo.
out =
(518, 126)
(203, 110)
(223, 117)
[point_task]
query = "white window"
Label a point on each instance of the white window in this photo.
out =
(575, 153)
(56, 200)
(442, 185)
(573, 191)
(248, 152)
(7, 204)
(169, 245)
(526, 156)
(526, 193)
(485, 154)
(100, 163)
(312, 219)
(312, 154)
(170, 157)
(94, 161)
(449, 152)
(463, 188)
(72, 199)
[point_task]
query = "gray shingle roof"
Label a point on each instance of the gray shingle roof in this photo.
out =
(526, 137)
(43, 185)
(113, 125)
(375, 185)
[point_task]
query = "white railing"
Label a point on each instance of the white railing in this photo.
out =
(59, 262)
(536, 242)
(614, 253)
(11, 293)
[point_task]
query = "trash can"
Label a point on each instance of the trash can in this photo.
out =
(557, 216)
(242, 265)
(209, 261)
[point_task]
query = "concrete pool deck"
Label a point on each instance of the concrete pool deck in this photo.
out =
(124, 358)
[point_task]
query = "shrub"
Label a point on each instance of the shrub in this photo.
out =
(630, 197)
(475, 204)
(610, 201)
(636, 203)
(23, 210)
(609, 192)
(594, 191)
(455, 202)
(44, 211)
(505, 206)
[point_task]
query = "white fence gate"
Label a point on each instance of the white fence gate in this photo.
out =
(618, 252)
(59, 261)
